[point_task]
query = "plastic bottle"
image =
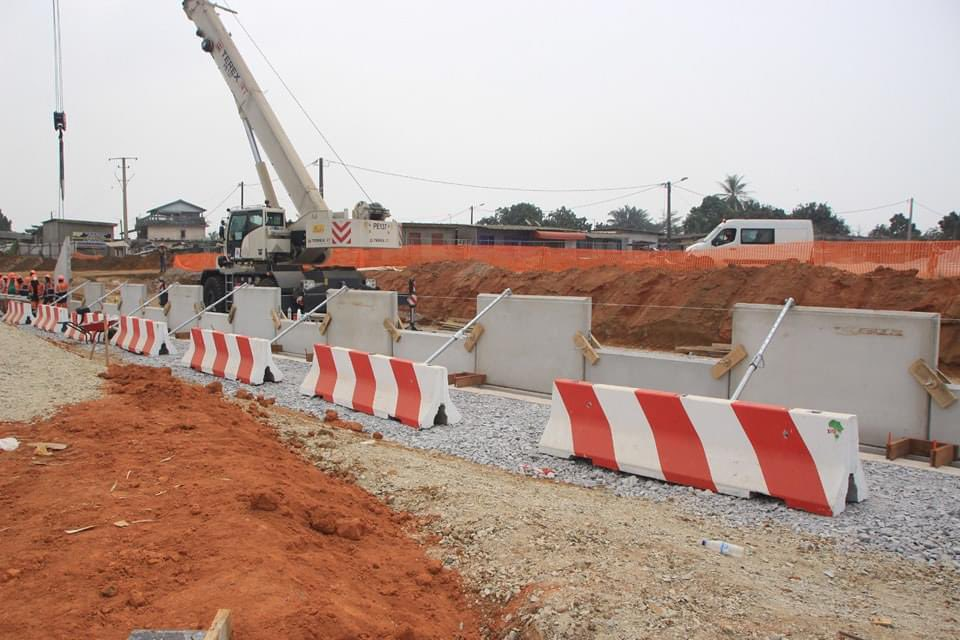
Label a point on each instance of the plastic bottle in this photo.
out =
(724, 548)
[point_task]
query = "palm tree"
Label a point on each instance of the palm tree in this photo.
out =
(734, 191)
(628, 217)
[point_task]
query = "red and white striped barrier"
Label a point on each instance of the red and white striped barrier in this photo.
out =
(18, 312)
(49, 317)
(144, 337)
(415, 394)
(82, 319)
(231, 356)
(806, 458)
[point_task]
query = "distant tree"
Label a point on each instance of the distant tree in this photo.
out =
(706, 216)
(6, 224)
(825, 223)
(897, 230)
(754, 209)
(948, 228)
(567, 219)
(213, 235)
(520, 213)
(628, 217)
(734, 191)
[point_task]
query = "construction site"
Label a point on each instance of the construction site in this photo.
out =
(351, 425)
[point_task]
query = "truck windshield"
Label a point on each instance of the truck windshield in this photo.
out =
(725, 237)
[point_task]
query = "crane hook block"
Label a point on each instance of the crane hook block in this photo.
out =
(59, 121)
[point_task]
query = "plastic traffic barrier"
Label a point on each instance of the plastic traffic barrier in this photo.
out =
(231, 356)
(415, 394)
(18, 312)
(142, 336)
(809, 459)
(50, 317)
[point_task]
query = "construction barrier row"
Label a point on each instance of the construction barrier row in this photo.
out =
(143, 337)
(18, 313)
(50, 318)
(809, 459)
(415, 394)
(231, 356)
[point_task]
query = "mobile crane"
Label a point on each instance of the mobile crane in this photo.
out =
(260, 246)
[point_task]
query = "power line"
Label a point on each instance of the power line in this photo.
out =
(220, 204)
(882, 206)
(453, 183)
(302, 108)
(626, 195)
(923, 206)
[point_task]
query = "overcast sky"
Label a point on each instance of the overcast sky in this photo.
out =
(853, 103)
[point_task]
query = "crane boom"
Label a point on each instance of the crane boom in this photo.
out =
(255, 111)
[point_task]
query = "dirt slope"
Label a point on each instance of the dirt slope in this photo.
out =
(672, 308)
(221, 516)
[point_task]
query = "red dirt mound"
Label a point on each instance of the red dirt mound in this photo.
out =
(661, 309)
(197, 506)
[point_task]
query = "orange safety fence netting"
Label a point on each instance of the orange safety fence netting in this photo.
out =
(929, 259)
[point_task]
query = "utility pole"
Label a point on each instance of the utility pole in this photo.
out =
(241, 194)
(471, 210)
(669, 185)
(910, 221)
(125, 231)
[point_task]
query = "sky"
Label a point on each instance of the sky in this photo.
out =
(852, 103)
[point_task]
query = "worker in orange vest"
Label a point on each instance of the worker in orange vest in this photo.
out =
(61, 291)
(36, 291)
(23, 287)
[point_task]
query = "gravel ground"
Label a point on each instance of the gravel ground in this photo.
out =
(912, 512)
(21, 366)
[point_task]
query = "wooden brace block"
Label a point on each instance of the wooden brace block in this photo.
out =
(933, 382)
(391, 328)
(465, 379)
(475, 332)
(166, 308)
(232, 314)
(198, 307)
(276, 319)
(182, 335)
(323, 324)
(728, 362)
(586, 348)
(220, 628)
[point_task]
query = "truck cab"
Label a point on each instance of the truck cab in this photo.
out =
(731, 234)
(255, 234)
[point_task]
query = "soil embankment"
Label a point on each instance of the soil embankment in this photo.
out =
(196, 506)
(662, 309)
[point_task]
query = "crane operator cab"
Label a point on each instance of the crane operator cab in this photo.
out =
(257, 233)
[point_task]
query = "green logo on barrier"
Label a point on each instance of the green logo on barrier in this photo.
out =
(834, 427)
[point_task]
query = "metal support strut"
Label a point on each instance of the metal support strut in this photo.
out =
(758, 359)
(66, 296)
(104, 296)
(207, 308)
(304, 316)
(459, 334)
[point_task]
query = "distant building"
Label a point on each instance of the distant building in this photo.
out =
(174, 221)
(437, 233)
(56, 230)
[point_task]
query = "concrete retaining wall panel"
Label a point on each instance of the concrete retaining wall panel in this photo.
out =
(945, 423)
(301, 339)
(154, 313)
(182, 299)
(92, 291)
(658, 371)
(420, 345)
(528, 340)
(253, 306)
(111, 309)
(357, 320)
(844, 360)
(131, 297)
(215, 321)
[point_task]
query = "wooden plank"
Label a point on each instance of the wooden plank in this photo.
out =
(166, 308)
(391, 327)
(700, 350)
(933, 382)
(583, 344)
(898, 448)
(182, 335)
(275, 317)
(232, 314)
(942, 454)
(729, 361)
(220, 628)
(465, 379)
(324, 324)
(475, 332)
